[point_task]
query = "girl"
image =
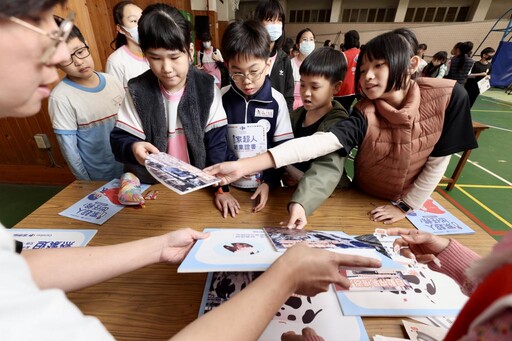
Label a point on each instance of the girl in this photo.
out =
(437, 67)
(210, 59)
(127, 61)
(305, 42)
(406, 131)
(461, 64)
(271, 14)
(172, 107)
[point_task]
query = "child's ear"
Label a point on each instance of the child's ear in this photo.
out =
(191, 52)
(119, 29)
(414, 65)
(337, 87)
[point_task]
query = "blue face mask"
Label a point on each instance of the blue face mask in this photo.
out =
(306, 47)
(275, 31)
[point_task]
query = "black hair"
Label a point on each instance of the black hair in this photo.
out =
(288, 45)
(487, 50)
(26, 8)
(465, 51)
(270, 9)
(351, 39)
(245, 39)
(325, 62)
(206, 36)
(301, 32)
(396, 50)
(117, 13)
(75, 31)
(422, 46)
(409, 36)
(327, 42)
(430, 68)
(163, 26)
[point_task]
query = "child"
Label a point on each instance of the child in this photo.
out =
(251, 101)
(271, 14)
(321, 75)
(437, 67)
(461, 64)
(210, 59)
(83, 109)
(172, 107)
(127, 61)
(347, 92)
(305, 42)
(480, 69)
(406, 131)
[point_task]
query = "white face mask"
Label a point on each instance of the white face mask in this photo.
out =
(275, 31)
(306, 47)
(134, 32)
(207, 44)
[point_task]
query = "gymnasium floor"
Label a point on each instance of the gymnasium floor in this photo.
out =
(483, 192)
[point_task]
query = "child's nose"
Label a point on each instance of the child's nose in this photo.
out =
(167, 66)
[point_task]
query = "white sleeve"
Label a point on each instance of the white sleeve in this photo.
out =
(220, 56)
(427, 181)
(305, 148)
(115, 69)
(217, 116)
(283, 125)
(62, 114)
(128, 119)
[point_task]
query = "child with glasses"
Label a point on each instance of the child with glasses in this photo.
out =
(257, 114)
(173, 107)
(83, 110)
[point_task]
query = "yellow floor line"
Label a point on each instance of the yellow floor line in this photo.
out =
(484, 207)
(486, 186)
(483, 110)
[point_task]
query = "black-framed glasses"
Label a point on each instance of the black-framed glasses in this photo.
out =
(81, 53)
(57, 37)
(253, 76)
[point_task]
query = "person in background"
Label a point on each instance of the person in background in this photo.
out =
(437, 67)
(327, 43)
(83, 110)
(294, 52)
(251, 100)
(461, 64)
(209, 59)
(305, 42)
(271, 14)
(421, 53)
(173, 107)
(321, 75)
(127, 61)
(347, 92)
(487, 315)
(480, 70)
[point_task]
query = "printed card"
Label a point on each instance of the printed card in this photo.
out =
(47, 239)
(375, 280)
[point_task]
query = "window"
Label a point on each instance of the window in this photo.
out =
(372, 13)
(450, 16)
(441, 12)
(429, 15)
(463, 14)
(293, 15)
(418, 17)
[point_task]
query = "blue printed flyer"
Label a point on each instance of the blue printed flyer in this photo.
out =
(435, 219)
(99, 206)
(52, 238)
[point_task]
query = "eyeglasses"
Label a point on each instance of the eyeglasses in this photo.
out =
(57, 37)
(81, 53)
(252, 76)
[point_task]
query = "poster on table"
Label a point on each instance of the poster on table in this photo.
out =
(321, 312)
(99, 206)
(434, 218)
(52, 238)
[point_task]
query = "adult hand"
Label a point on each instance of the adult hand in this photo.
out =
(388, 214)
(178, 243)
(308, 334)
(142, 149)
(419, 245)
(297, 216)
(262, 193)
(313, 270)
(226, 203)
(228, 171)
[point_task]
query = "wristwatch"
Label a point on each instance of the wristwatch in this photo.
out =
(222, 189)
(402, 205)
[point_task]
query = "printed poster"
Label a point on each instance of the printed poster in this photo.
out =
(246, 140)
(99, 206)
(321, 312)
(248, 250)
(177, 175)
(46, 239)
(435, 219)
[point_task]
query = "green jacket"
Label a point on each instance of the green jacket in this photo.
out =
(326, 172)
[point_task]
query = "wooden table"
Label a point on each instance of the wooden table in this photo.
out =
(155, 302)
(451, 181)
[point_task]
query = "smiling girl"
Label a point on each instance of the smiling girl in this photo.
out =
(172, 107)
(405, 131)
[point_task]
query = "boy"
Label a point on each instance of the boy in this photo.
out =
(256, 112)
(321, 76)
(83, 109)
